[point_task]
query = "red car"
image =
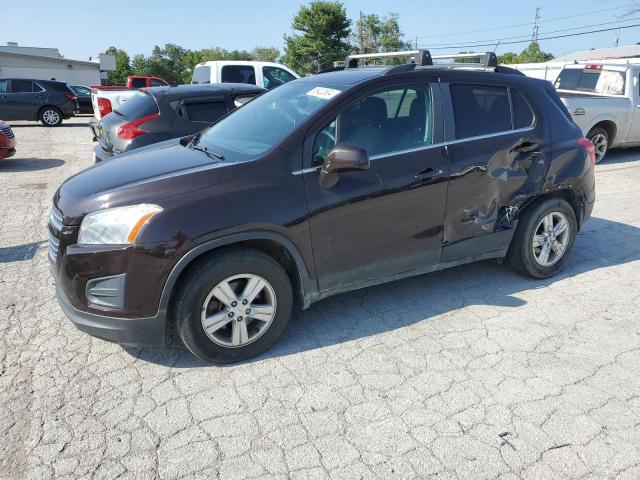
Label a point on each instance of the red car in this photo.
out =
(7, 141)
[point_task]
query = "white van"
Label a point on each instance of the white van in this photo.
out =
(265, 74)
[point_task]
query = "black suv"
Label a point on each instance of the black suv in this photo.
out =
(326, 184)
(161, 113)
(46, 100)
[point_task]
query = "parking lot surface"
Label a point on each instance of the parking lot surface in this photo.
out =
(471, 373)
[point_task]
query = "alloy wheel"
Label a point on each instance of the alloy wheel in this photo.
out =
(600, 144)
(51, 117)
(551, 239)
(238, 310)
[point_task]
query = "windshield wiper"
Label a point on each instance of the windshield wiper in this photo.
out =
(206, 151)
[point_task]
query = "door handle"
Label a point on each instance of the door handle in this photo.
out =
(428, 174)
(526, 147)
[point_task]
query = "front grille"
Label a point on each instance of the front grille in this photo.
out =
(6, 130)
(55, 231)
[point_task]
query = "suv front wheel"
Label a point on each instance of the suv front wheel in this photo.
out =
(544, 239)
(233, 305)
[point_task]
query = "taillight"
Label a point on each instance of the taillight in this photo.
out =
(132, 129)
(588, 146)
(104, 106)
(70, 96)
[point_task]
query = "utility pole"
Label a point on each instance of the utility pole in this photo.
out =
(536, 26)
(617, 38)
(361, 34)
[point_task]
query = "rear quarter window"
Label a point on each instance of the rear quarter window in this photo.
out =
(238, 74)
(207, 112)
(522, 114)
(142, 104)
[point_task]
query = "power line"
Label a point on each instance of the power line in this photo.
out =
(524, 36)
(540, 38)
(528, 24)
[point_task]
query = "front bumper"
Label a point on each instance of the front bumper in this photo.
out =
(127, 331)
(7, 152)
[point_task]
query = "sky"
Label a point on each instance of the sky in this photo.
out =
(83, 29)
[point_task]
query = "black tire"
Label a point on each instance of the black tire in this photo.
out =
(600, 139)
(201, 279)
(51, 117)
(521, 253)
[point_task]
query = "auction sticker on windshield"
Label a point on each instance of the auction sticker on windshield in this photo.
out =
(323, 92)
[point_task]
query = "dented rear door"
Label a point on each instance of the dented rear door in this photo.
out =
(498, 158)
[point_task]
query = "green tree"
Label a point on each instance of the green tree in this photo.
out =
(265, 54)
(375, 34)
(323, 29)
(532, 54)
(123, 68)
(509, 57)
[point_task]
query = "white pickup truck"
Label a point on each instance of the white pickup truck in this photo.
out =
(604, 100)
(264, 74)
(105, 99)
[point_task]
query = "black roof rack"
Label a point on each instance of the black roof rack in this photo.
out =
(418, 57)
(422, 58)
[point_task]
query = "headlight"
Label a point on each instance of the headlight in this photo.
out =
(116, 226)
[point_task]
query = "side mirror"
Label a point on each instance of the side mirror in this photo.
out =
(342, 158)
(346, 157)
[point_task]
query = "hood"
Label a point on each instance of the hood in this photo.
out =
(154, 174)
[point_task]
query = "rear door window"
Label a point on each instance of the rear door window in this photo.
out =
(138, 82)
(480, 109)
(142, 104)
(238, 74)
(207, 112)
(22, 86)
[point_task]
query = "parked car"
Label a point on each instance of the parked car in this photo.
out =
(266, 74)
(603, 100)
(84, 98)
(136, 81)
(329, 183)
(162, 113)
(46, 100)
(7, 141)
(106, 98)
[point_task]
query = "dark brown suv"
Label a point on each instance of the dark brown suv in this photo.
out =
(326, 184)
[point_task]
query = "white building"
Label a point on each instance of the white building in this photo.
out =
(48, 64)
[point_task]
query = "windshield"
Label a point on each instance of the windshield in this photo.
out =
(267, 120)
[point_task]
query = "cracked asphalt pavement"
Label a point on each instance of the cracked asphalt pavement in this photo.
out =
(471, 373)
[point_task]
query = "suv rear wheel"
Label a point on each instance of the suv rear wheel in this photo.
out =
(233, 305)
(51, 117)
(544, 239)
